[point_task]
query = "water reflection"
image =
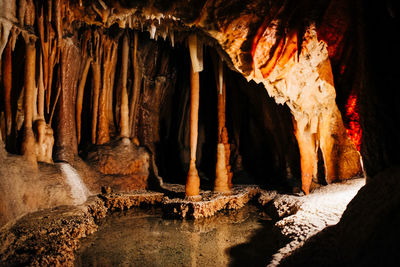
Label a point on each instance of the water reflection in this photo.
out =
(143, 238)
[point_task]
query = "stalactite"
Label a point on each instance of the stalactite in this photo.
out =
(171, 37)
(153, 29)
(5, 28)
(103, 135)
(41, 89)
(59, 90)
(21, 12)
(58, 21)
(35, 107)
(51, 53)
(193, 181)
(51, 64)
(28, 143)
(96, 70)
(196, 53)
(124, 122)
(137, 79)
(111, 80)
(45, 48)
(79, 97)
(7, 84)
(49, 10)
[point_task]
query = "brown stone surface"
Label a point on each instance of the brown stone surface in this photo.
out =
(24, 190)
(49, 237)
(209, 204)
(123, 201)
(126, 165)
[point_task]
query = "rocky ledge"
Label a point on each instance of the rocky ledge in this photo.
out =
(209, 204)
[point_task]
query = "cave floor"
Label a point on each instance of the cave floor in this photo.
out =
(146, 228)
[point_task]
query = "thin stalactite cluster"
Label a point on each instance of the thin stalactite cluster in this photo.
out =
(62, 61)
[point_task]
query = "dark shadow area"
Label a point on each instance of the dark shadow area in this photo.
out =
(367, 234)
(264, 243)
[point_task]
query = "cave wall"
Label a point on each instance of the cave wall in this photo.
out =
(379, 111)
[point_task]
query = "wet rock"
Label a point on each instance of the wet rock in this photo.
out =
(209, 204)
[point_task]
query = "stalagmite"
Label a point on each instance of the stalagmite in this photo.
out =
(44, 142)
(222, 172)
(124, 123)
(193, 181)
(137, 79)
(28, 143)
(79, 97)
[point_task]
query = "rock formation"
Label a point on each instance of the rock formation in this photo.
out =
(96, 72)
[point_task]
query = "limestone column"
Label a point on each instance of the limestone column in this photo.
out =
(28, 143)
(124, 122)
(66, 145)
(307, 142)
(193, 181)
(222, 173)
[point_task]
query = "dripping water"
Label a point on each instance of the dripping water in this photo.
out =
(79, 190)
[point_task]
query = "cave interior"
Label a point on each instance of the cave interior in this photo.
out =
(289, 96)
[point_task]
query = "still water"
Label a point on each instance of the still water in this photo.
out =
(142, 237)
